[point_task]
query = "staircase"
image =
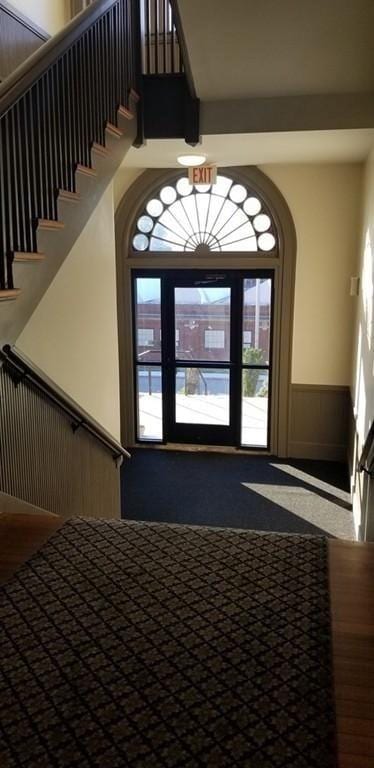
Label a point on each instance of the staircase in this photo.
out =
(68, 115)
(67, 119)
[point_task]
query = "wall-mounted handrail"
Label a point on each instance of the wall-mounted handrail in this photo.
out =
(53, 109)
(20, 368)
(366, 463)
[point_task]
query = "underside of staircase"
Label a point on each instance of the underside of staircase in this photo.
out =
(68, 116)
(34, 271)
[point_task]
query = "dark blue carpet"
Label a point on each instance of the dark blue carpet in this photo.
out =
(237, 491)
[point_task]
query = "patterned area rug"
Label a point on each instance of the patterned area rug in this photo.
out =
(146, 645)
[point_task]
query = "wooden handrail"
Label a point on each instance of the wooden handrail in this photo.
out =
(29, 72)
(20, 368)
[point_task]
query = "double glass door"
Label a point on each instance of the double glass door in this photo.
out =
(202, 350)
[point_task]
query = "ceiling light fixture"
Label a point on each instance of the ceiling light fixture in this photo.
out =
(191, 160)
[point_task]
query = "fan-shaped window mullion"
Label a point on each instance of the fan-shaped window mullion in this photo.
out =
(242, 232)
(178, 212)
(226, 216)
(174, 228)
(199, 231)
(214, 224)
(189, 206)
(237, 220)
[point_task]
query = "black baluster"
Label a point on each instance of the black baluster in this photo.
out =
(43, 151)
(56, 149)
(156, 35)
(9, 246)
(83, 87)
(90, 85)
(79, 122)
(29, 112)
(148, 35)
(68, 120)
(19, 218)
(14, 182)
(60, 86)
(38, 163)
(172, 46)
(74, 114)
(3, 238)
(102, 76)
(97, 81)
(164, 7)
(51, 177)
(25, 176)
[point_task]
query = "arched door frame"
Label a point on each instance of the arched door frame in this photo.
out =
(283, 264)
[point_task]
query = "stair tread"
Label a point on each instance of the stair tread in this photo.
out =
(100, 149)
(20, 256)
(125, 112)
(86, 170)
(9, 293)
(50, 224)
(114, 130)
(134, 95)
(66, 194)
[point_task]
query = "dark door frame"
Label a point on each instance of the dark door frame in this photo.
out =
(193, 433)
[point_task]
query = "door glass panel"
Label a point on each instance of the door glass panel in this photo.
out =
(202, 396)
(255, 406)
(148, 319)
(256, 321)
(202, 323)
(149, 402)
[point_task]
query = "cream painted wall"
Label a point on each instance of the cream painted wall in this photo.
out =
(50, 15)
(77, 318)
(325, 202)
(122, 181)
(363, 368)
(73, 334)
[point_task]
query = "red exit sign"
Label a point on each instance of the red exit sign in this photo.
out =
(203, 174)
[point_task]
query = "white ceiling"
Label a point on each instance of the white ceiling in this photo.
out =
(259, 149)
(242, 48)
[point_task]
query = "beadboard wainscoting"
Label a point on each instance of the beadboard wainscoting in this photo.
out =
(319, 416)
(48, 461)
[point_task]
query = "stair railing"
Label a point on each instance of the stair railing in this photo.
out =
(53, 108)
(21, 369)
(161, 52)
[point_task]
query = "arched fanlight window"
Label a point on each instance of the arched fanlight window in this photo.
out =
(223, 217)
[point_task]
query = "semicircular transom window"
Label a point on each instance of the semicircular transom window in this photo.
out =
(225, 216)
